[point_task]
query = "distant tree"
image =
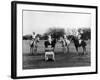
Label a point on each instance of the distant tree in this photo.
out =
(44, 36)
(86, 33)
(38, 35)
(27, 37)
(55, 32)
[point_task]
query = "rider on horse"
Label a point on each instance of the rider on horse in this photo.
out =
(66, 40)
(33, 35)
(33, 39)
(80, 36)
(33, 43)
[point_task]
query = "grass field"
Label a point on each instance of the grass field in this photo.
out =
(70, 59)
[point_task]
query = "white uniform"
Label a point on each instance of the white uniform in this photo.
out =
(79, 37)
(33, 36)
(66, 39)
(32, 41)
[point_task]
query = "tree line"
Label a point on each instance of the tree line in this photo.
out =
(58, 32)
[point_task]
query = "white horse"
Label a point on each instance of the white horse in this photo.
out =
(65, 43)
(33, 45)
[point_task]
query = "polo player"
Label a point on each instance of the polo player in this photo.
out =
(80, 35)
(33, 35)
(33, 43)
(66, 40)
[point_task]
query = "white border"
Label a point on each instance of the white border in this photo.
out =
(35, 72)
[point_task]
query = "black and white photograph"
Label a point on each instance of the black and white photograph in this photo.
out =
(55, 39)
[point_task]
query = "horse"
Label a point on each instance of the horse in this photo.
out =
(78, 44)
(33, 45)
(65, 43)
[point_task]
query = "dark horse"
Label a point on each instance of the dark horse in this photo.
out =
(77, 44)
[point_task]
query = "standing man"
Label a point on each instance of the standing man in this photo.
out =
(49, 49)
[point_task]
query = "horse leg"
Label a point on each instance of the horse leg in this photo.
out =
(64, 49)
(84, 50)
(67, 48)
(34, 48)
(77, 50)
(30, 50)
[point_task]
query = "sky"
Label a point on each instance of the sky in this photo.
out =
(40, 21)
